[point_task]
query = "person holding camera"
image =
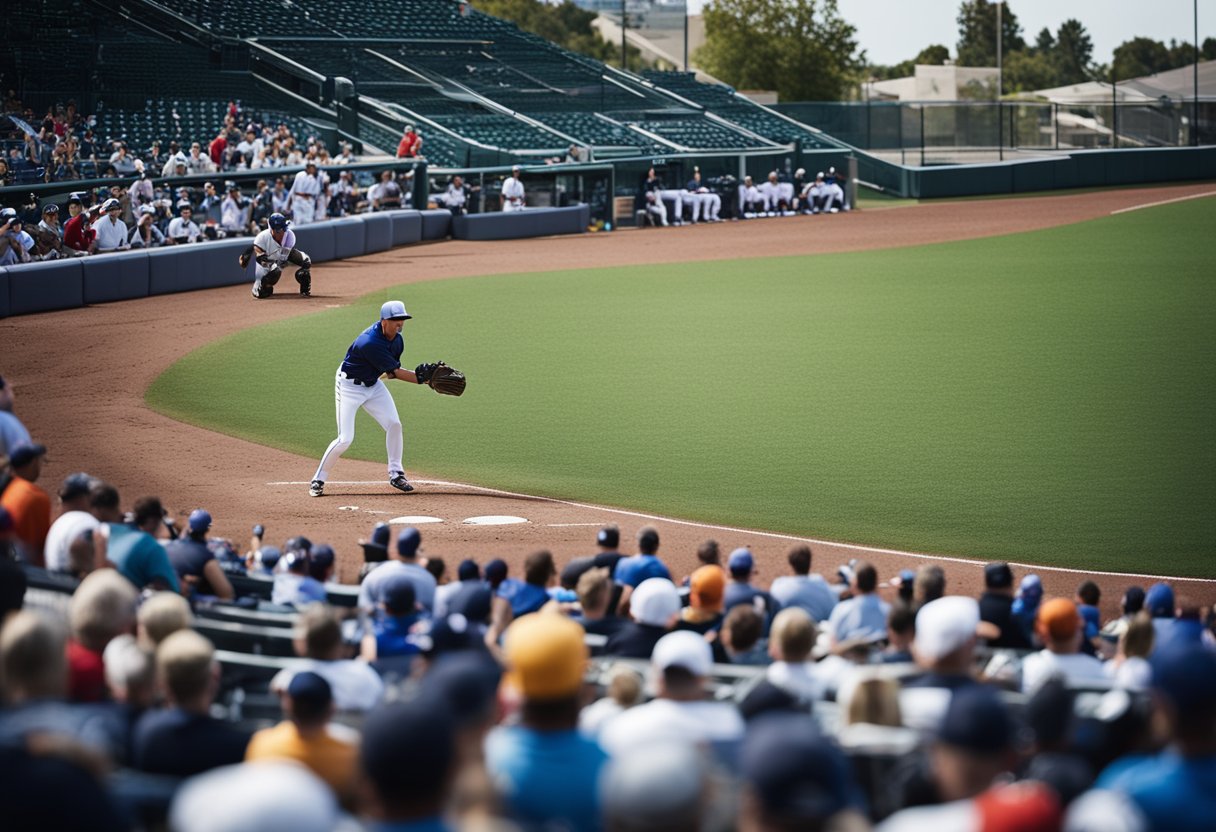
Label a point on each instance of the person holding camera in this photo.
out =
(48, 235)
(145, 234)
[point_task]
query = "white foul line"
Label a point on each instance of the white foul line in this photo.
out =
(1163, 202)
(774, 535)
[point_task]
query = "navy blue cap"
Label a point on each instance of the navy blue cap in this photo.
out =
(468, 570)
(76, 485)
(295, 560)
(399, 596)
(268, 556)
(380, 535)
(408, 542)
(468, 682)
(320, 559)
(200, 520)
(1159, 601)
(473, 602)
(609, 536)
(451, 634)
(1186, 675)
(496, 571)
(311, 688)
(409, 748)
(25, 454)
(998, 575)
(977, 720)
(299, 543)
(797, 773)
(1133, 600)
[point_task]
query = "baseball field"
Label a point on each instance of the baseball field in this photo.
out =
(1044, 396)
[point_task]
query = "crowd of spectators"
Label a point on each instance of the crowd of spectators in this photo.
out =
(710, 701)
(63, 145)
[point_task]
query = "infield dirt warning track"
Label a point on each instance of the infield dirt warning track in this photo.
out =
(79, 377)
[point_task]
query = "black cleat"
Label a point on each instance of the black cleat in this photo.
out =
(400, 483)
(316, 488)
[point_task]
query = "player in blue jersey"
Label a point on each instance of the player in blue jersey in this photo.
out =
(375, 353)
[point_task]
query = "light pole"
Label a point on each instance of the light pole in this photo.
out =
(624, 65)
(1195, 75)
(999, 86)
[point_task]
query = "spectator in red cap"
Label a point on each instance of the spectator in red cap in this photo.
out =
(28, 504)
(1058, 625)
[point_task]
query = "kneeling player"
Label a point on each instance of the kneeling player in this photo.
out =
(271, 249)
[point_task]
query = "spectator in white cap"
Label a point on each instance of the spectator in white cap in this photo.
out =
(654, 606)
(111, 230)
(944, 648)
(681, 713)
(277, 796)
(657, 789)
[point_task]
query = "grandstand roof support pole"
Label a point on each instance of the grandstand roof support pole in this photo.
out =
(624, 28)
(686, 45)
(1194, 73)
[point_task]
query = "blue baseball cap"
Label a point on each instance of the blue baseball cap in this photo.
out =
(741, 561)
(496, 571)
(468, 570)
(25, 454)
(76, 485)
(200, 520)
(797, 773)
(977, 720)
(394, 310)
(310, 687)
(1160, 601)
(1186, 675)
(408, 542)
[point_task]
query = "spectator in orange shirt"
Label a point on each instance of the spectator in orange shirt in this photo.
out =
(410, 143)
(29, 505)
(308, 737)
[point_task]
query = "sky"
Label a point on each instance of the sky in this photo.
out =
(891, 31)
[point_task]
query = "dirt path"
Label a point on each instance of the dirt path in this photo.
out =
(79, 378)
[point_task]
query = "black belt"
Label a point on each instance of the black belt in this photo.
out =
(360, 381)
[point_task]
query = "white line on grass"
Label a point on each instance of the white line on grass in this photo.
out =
(774, 535)
(1163, 202)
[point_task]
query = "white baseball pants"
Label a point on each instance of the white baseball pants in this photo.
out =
(379, 404)
(303, 210)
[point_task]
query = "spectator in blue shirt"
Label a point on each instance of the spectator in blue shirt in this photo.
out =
(802, 589)
(194, 560)
(742, 566)
(136, 553)
(393, 632)
(1176, 789)
(533, 593)
(865, 614)
(644, 565)
(295, 587)
(547, 772)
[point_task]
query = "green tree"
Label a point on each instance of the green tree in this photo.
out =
(1208, 50)
(1073, 53)
(803, 49)
(1028, 70)
(1140, 56)
(933, 55)
(977, 33)
(564, 24)
(1045, 42)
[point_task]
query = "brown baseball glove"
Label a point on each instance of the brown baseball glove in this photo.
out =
(442, 379)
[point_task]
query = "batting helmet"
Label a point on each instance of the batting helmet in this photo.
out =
(277, 222)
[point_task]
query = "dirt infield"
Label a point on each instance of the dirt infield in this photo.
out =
(79, 377)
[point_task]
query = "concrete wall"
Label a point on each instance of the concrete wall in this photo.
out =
(79, 281)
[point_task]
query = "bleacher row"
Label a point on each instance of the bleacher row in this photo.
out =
(71, 283)
(138, 76)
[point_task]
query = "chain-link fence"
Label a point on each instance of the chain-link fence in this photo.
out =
(972, 131)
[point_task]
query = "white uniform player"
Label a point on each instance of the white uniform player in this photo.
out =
(751, 201)
(304, 192)
(705, 204)
(271, 250)
(513, 192)
(375, 353)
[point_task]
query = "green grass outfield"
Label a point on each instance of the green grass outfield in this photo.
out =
(1048, 396)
